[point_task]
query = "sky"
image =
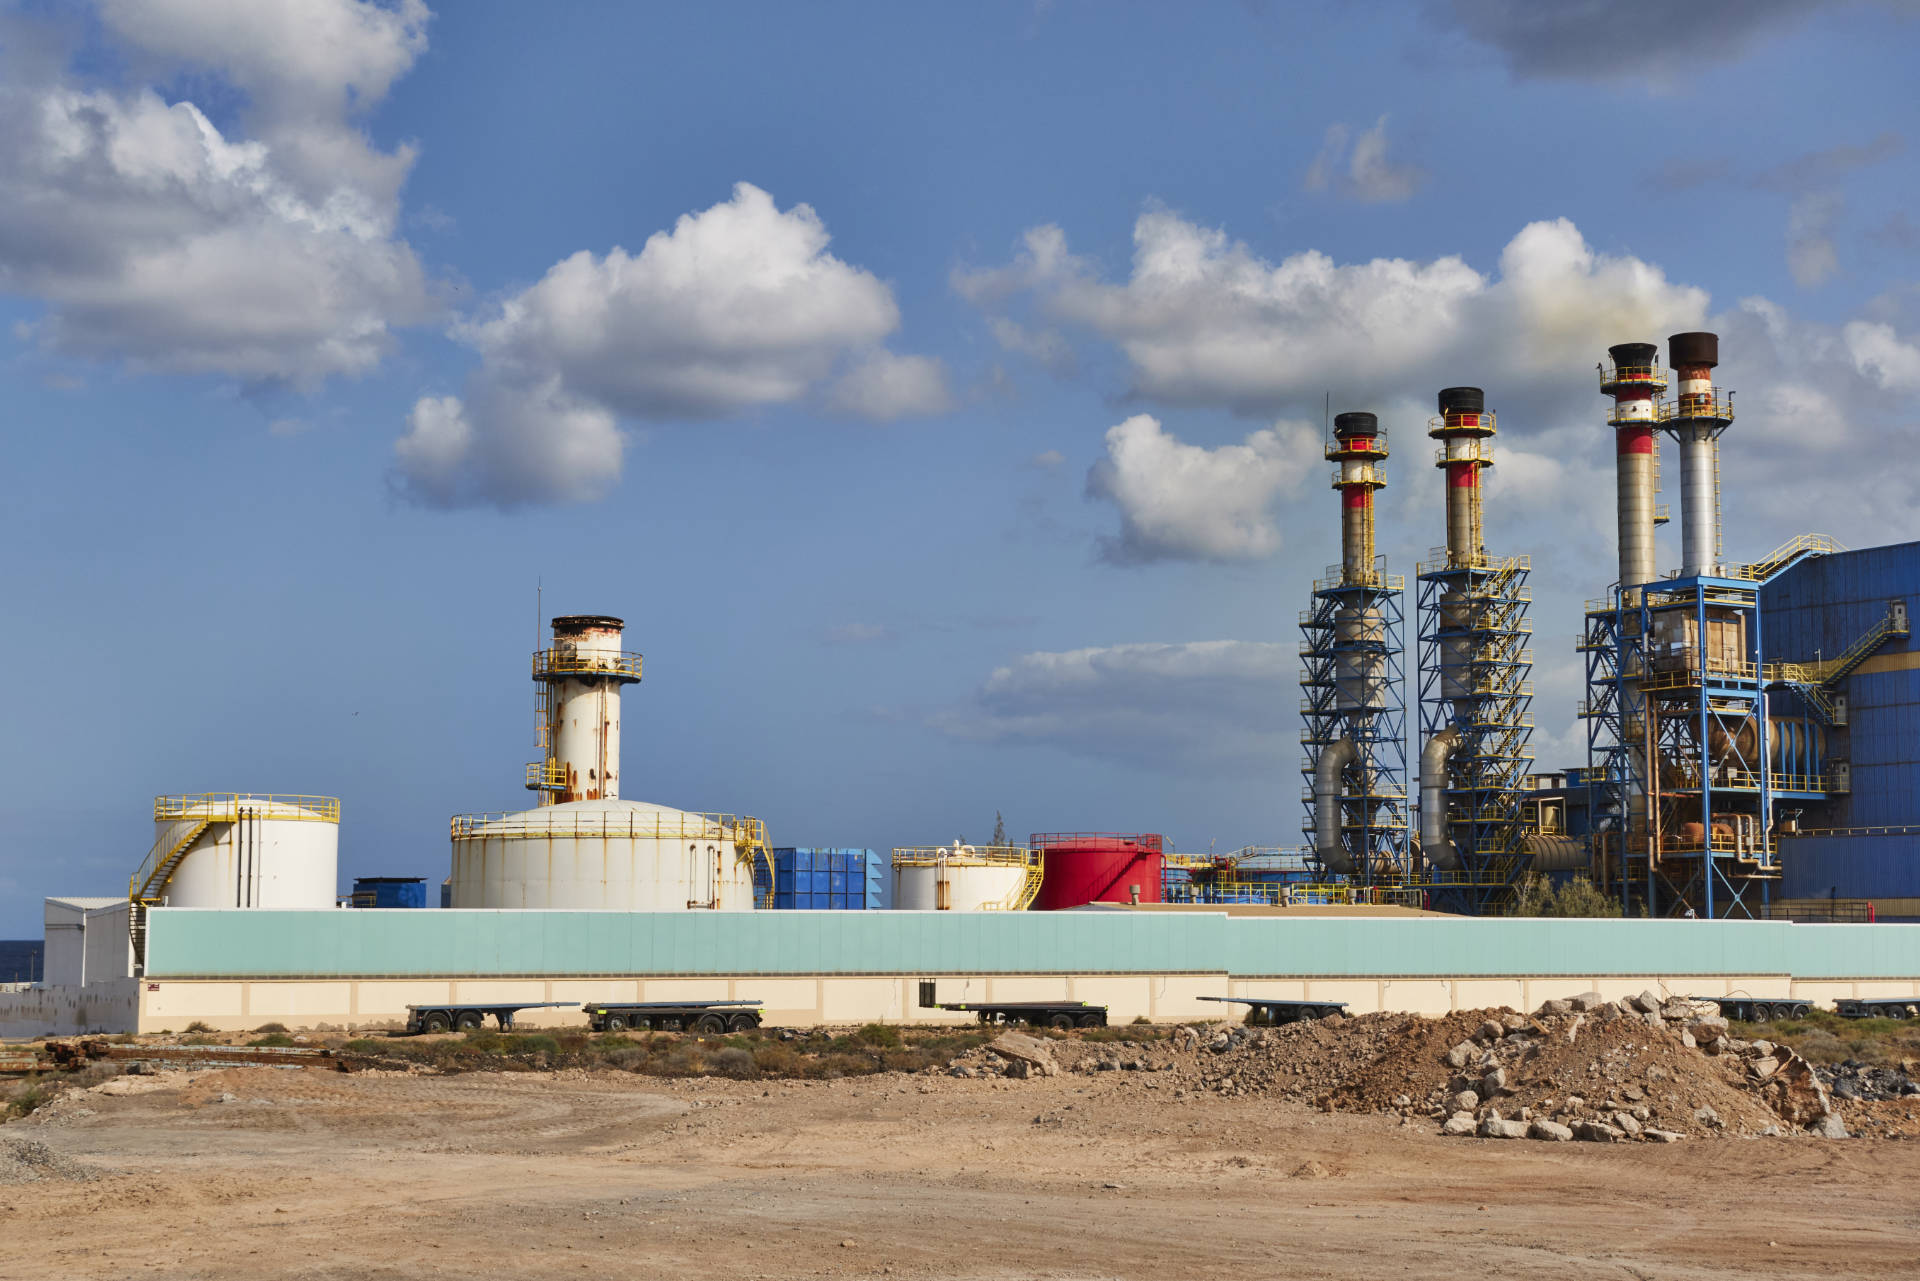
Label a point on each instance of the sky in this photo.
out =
(936, 391)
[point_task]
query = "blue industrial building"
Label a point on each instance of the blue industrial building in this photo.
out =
(836, 880)
(390, 891)
(1863, 841)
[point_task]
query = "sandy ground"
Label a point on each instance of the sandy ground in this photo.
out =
(316, 1174)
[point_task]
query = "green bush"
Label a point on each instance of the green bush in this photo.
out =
(266, 1027)
(531, 1043)
(881, 1035)
(198, 1026)
(1578, 897)
(273, 1041)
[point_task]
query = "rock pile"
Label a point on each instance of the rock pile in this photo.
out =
(1855, 1081)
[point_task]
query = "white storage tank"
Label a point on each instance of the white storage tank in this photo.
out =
(964, 878)
(230, 849)
(611, 855)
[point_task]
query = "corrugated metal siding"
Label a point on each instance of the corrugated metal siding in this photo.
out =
(192, 942)
(1850, 867)
(1819, 608)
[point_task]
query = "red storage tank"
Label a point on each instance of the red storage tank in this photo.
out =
(1097, 867)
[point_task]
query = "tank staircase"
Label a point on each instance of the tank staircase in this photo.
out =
(1029, 888)
(1815, 682)
(1786, 556)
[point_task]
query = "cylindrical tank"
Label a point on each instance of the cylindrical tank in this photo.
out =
(250, 851)
(1097, 867)
(583, 673)
(621, 856)
(1360, 674)
(957, 879)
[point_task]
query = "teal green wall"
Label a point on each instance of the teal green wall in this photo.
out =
(186, 942)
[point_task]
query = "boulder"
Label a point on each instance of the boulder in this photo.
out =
(1624, 1122)
(1551, 1131)
(1707, 1116)
(1496, 1128)
(1829, 1126)
(1491, 1030)
(1460, 1125)
(1596, 1132)
(1648, 1002)
(1464, 1101)
(1460, 1055)
(1663, 1136)
(1587, 1002)
(1024, 1051)
(1493, 1082)
(1555, 1008)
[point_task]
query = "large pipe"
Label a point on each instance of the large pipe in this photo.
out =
(1339, 754)
(1634, 381)
(1462, 426)
(582, 672)
(1358, 447)
(1434, 841)
(1696, 421)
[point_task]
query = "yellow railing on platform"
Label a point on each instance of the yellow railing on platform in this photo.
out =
(1773, 561)
(285, 807)
(546, 775)
(555, 662)
(563, 822)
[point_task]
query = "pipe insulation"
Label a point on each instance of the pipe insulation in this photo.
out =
(1332, 853)
(1434, 842)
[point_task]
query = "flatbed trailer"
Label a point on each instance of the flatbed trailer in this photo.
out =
(1758, 1009)
(1877, 1007)
(673, 1016)
(1274, 1011)
(1054, 1014)
(470, 1018)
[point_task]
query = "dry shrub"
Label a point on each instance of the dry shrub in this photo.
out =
(734, 1062)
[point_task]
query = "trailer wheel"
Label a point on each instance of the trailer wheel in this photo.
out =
(742, 1023)
(709, 1023)
(1060, 1022)
(470, 1021)
(435, 1021)
(1091, 1019)
(616, 1022)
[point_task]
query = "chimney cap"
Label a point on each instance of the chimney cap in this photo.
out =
(586, 623)
(1633, 355)
(1355, 424)
(1693, 349)
(1463, 400)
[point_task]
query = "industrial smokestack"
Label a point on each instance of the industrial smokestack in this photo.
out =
(1697, 417)
(1359, 446)
(580, 677)
(1635, 380)
(1463, 427)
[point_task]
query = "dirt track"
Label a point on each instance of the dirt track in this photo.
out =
(318, 1175)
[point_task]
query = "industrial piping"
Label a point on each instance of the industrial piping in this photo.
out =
(1463, 428)
(1326, 805)
(1697, 418)
(1634, 381)
(1435, 846)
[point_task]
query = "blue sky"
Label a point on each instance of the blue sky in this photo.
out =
(964, 459)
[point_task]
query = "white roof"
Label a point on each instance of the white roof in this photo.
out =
(87, 904)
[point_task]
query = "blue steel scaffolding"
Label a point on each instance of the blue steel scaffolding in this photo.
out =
(1474, 670)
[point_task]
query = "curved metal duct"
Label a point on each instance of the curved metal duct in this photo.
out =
(1555, 853)
(1326, 805)
(1434, 843)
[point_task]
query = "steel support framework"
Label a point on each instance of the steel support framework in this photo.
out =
(1474, 668)
(1373, 801)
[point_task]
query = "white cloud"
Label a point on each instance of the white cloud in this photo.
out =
(739, 307)
(1882, 355)
(1578, 41)
(155, 237)
(1203, 320)
(1184, 502)
(512, 445)
(1198, 706)
(883, 386)
(1047, 458)
(1370, 176)
(1810, 253)
(1048, 347)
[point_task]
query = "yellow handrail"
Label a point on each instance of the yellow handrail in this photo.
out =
(593, 824)
(217, 805)
(556, 662)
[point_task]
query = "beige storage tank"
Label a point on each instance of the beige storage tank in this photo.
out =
(620, 856)
(229, 849)
(965, 878)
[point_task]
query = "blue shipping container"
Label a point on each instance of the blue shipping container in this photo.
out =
(390, 891)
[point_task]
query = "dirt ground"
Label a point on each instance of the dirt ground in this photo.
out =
(257, 1172)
